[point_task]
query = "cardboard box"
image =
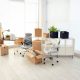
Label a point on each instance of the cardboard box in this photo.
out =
(3, 50)
(38, 32)
(1, 41)
(19, 41)
(46, 35)
(35, 59)
(36, 45)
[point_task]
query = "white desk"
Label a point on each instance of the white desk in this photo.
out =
(8, 42)
(66, 46)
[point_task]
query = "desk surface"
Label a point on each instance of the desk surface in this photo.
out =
(8, 42)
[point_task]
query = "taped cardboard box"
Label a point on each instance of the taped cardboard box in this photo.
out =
(19, 41)
(36, 45)
(4, 50)
(46, 35)
(36, 59)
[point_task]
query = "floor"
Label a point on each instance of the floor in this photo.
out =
(15, 67)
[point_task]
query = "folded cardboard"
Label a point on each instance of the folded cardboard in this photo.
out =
(36, 59)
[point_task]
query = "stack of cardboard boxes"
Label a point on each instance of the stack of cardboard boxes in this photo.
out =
(36, 44)
(36, 48)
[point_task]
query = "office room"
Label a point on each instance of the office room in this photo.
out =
(39, 39)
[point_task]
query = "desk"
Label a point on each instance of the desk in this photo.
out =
(8, 42)
(66, 47)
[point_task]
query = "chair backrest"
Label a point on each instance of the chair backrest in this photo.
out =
(55, 41)
(51, 44)
(47, 45)
(28, 39)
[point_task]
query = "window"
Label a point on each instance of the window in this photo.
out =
(31, 15)
(12, 16)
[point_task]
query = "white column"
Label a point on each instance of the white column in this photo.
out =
(35, 15)
(44, 15)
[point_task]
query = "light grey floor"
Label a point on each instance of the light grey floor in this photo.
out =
(19, 68)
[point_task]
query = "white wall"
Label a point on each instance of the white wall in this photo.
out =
(12, 16)
(44, 15)
(65, 14)
(75, 21)
(33, 16)
(58, 14)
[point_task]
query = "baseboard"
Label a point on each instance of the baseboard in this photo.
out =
(77, 53)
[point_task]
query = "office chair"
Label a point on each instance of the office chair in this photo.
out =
(25, 45)
(50, 51)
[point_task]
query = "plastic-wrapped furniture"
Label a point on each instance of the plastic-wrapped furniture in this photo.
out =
(50, 50)
(28, 39)
(24, 43)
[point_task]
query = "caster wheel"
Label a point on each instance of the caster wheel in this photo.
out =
(20, 53)
(44, 63)
(50, 58)
(14, 53)
(52, 64)
(44, 59)
(57, 61)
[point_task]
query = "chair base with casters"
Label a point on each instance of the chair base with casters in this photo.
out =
(50, 51)
(21, 53)
(21, 50)
(51, 58)
(25, 44)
